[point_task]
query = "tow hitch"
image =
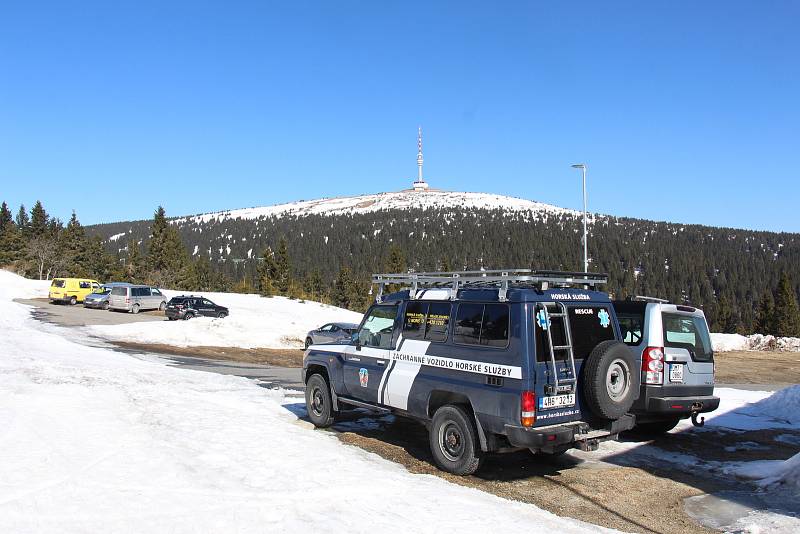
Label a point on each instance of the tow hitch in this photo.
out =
(696, 407)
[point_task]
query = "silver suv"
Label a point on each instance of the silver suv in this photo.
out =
(677, 361)
(135, 298)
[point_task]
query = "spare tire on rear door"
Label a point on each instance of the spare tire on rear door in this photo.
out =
(610, 380)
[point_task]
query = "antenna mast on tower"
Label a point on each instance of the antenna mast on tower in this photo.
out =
(419, 184)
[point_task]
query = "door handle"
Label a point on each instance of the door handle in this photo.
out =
(381, 362)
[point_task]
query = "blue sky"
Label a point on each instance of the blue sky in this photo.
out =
(684, 111)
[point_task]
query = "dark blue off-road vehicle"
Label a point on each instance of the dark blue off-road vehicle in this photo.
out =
(488, 360)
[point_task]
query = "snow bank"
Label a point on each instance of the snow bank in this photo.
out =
(254, 321)
(773, 474)
(729, 342)
(13, 286)
(753, 410)
(782, 405)
(98, 441)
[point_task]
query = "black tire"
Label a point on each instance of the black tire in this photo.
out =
(610, 380)
(170, 318)
(221, 315)
(308, 342)
(73, 300)
(319, 403)
(135, 309)
(655, 428)
(454, 441)
(188, 316)
(106, 305)
(162, 306)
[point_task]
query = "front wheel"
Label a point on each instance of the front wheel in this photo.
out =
(454, 441)
(106, 305)
(319, 403)
(221, 315)
(162, 306)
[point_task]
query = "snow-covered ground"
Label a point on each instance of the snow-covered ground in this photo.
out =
(729, 342)
(386, 201)
(254, 321)
(95, 441)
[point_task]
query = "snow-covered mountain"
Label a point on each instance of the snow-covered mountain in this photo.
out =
(408, 199)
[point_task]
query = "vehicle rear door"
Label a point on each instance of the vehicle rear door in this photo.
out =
(366, 361)
(688, 354)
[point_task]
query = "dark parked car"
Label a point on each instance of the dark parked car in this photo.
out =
(186, 307)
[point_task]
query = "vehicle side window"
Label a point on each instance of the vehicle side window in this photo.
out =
(334, 328)
(155, 292)
(325, 328)
(558, 333)
(482, 324)
(378, 327)
(196, 303)
(631, 326)
(426, 320)
(207, 302)
(119, 291)
(84, 285)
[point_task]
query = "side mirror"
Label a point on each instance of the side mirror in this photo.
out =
(355, 341)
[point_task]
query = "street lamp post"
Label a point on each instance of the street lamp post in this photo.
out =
(582, 167)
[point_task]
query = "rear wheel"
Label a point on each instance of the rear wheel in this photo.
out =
(319, 403)
(454, 441)
(73, 300)
(135, 308)
(610, 380)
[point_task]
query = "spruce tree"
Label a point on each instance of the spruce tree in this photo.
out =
(134, 263)
(40, 221)
(787, 314)
(267, 273)
(765, 315)
(10, 240)
(23, 221)
(167, 259)
(72, 247)
(283, 267)
(343, 289)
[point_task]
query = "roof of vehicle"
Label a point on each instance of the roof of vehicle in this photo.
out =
(345, 325)
(570, 294)
(116, 284)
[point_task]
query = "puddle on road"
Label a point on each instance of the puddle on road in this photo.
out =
(731, 510)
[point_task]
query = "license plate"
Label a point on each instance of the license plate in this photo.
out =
(556, 401)
(676, 373)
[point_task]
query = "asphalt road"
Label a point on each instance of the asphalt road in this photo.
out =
(77, 316)
(66, 315)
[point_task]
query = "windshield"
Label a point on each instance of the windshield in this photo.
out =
(102, 291)
(58, 283)
(688, 332)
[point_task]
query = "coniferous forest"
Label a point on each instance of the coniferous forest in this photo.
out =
(744, 280)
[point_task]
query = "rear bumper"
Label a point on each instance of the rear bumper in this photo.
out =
(174, 314)
(682, 406)
(564, 436)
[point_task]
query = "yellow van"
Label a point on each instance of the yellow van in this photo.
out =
(72, 290)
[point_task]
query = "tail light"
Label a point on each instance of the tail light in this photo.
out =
(653, 365)
(527, 414)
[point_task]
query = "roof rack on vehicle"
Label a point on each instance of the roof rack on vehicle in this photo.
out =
(502, 279)
(643, 298)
